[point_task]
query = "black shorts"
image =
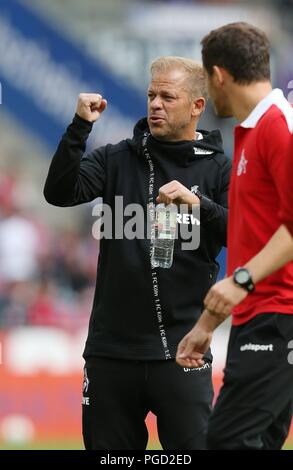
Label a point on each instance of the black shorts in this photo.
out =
(254, 407)
(118, 394)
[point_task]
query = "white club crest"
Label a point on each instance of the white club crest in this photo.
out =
(242, 164)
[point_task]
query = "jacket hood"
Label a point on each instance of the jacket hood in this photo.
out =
(209, 143)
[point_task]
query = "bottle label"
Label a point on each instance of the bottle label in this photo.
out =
(166, 224)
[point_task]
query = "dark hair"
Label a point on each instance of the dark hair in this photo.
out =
(241, 49)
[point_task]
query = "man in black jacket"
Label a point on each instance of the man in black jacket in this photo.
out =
(140, 312)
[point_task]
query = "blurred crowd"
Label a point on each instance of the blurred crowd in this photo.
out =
(46, 276)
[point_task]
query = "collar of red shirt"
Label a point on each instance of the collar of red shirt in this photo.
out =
(275, 97)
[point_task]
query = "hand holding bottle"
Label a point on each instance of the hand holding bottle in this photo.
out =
(175, 192)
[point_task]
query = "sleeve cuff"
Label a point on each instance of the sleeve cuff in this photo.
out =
(206, 205)
(289, 225)
(86, 125)
(79, 129)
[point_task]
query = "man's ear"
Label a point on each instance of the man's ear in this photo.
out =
(221, 76)
(198, 106)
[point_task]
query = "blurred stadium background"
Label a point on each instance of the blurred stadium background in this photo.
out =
(50, 51)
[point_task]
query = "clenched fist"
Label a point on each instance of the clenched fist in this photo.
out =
(90, 106)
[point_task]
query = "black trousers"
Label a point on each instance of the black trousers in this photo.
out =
(254, 407)
(118, 394)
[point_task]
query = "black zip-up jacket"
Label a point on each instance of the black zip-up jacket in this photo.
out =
(126, 321)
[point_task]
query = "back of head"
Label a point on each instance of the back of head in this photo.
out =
(240, 48)
(195, 77)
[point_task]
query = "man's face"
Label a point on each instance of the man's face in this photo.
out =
(219, 98)
(170, 107)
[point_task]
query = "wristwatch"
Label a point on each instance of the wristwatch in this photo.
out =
(242, 278)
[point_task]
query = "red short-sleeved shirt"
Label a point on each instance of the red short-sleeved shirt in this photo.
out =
(286, 210)
(255, 202)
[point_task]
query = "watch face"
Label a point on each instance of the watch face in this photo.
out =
(242, 276)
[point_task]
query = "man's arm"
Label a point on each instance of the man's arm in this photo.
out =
(195, 344)
(72, 179)
(213, 216)
(277, 252)
(225, 294)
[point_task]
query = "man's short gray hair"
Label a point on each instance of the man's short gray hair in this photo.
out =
(195, 76)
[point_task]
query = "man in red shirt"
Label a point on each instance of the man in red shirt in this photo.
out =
(254, 408)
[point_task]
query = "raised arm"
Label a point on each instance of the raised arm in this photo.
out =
(73, 178)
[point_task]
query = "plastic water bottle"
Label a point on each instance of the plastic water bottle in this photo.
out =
(163, 245)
